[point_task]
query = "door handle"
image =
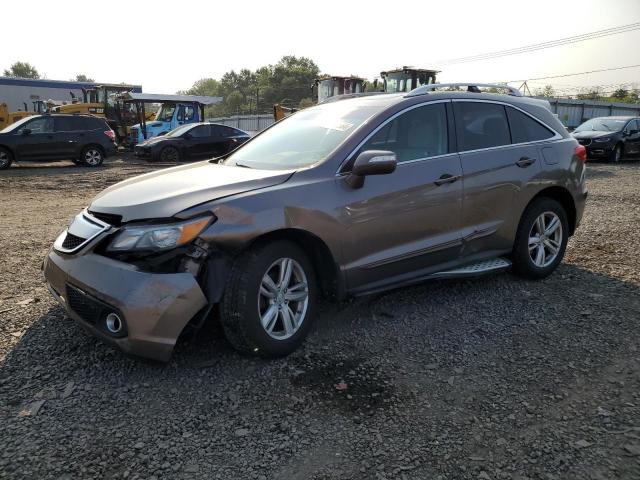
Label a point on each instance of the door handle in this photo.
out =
(446, 178)
(525, 162)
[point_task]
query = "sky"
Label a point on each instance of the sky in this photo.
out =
(167, 46)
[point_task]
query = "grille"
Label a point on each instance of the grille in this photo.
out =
(72, 241)
(110, 218)
(89, 309)
(585, 141)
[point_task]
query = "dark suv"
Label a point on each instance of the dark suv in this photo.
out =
(349, 197)
(85, 139)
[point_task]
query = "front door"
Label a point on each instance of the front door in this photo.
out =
(38, 140)
(407, 223)
(632, 137)
(198, 143)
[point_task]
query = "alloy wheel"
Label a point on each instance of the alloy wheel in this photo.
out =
(169, 154)
(283, 298)
(92, 157)
(545, 239)
(617, 154)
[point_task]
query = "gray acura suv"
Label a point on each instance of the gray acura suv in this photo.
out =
(349, 197)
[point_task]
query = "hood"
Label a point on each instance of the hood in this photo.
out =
(164, 193)
(592, 134)
(160, 138)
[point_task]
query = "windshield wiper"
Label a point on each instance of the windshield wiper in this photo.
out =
(242, 165)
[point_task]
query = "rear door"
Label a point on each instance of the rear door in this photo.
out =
(406, 223)
(500, 156)
(39, 143)
(68, 131)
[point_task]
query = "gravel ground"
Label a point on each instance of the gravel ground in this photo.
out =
(497, 378)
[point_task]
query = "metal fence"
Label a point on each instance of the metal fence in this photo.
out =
(570, 112)
(248, 123)
(574, 112)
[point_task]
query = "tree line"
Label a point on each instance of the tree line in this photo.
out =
(26, 70)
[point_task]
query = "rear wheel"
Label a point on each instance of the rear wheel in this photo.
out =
(269, 301)
(170, 154)
(92, 156)
(6, 158)
(541, 239)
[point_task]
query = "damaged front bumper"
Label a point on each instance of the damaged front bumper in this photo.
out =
(154, 307)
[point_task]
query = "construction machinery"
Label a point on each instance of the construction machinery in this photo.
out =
(280, 112)
(175, 110)
(328, 86)
(39, 106)
(406, 79)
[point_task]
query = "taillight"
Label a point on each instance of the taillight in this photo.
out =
(581, 153)
(111, 134)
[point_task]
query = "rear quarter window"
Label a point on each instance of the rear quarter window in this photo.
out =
(525, 129)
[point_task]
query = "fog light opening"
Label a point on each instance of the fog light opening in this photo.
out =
(113, 323)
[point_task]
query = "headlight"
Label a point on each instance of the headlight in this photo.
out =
(158, 237)
(602, 139)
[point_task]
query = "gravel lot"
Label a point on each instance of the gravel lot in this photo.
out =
(497, 378)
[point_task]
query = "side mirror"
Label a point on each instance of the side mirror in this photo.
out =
(371, 162)
(633, 132)
(26, 131)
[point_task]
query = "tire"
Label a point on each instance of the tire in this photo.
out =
(616, 154)
(170, 155)
(92, 156)
(6, 158)
(531, 263)
(249, 301)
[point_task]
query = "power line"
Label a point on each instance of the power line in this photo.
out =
(574, 74)
(540, 46)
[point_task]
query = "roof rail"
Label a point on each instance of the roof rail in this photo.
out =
(471, 87)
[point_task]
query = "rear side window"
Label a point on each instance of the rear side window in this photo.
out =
(228, 131)
(526, 129)
(418, 133)
(75, 124)
(481, 125)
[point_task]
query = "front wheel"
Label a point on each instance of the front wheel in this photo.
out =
(269, 301)
(5, 158)
(92, 157)
(170, 154)
(541, 239)
(616, 154)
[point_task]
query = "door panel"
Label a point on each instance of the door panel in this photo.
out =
(402, 222)
(493, 183)
(198, 144)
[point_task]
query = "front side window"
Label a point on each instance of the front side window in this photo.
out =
(186, 113)
(526, 129)
(481, 125)
(631, 126)
(165, 114)
(200, 131)
(39, 125)
(418, 133)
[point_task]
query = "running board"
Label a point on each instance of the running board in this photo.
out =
(483, 267)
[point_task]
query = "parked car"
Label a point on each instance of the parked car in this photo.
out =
(192, 141)
(85, 139)
(344, 198)
(610, 137)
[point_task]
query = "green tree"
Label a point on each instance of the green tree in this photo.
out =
(594, 93)
(546, 91)
(81, 77)
(22, 70)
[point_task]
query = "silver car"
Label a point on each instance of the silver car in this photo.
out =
(349, 197)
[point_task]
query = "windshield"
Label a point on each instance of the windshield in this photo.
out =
(602, 125)
(304, 138)
(165, 114)
(15, 125)
(398, 82)
(176, 132)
